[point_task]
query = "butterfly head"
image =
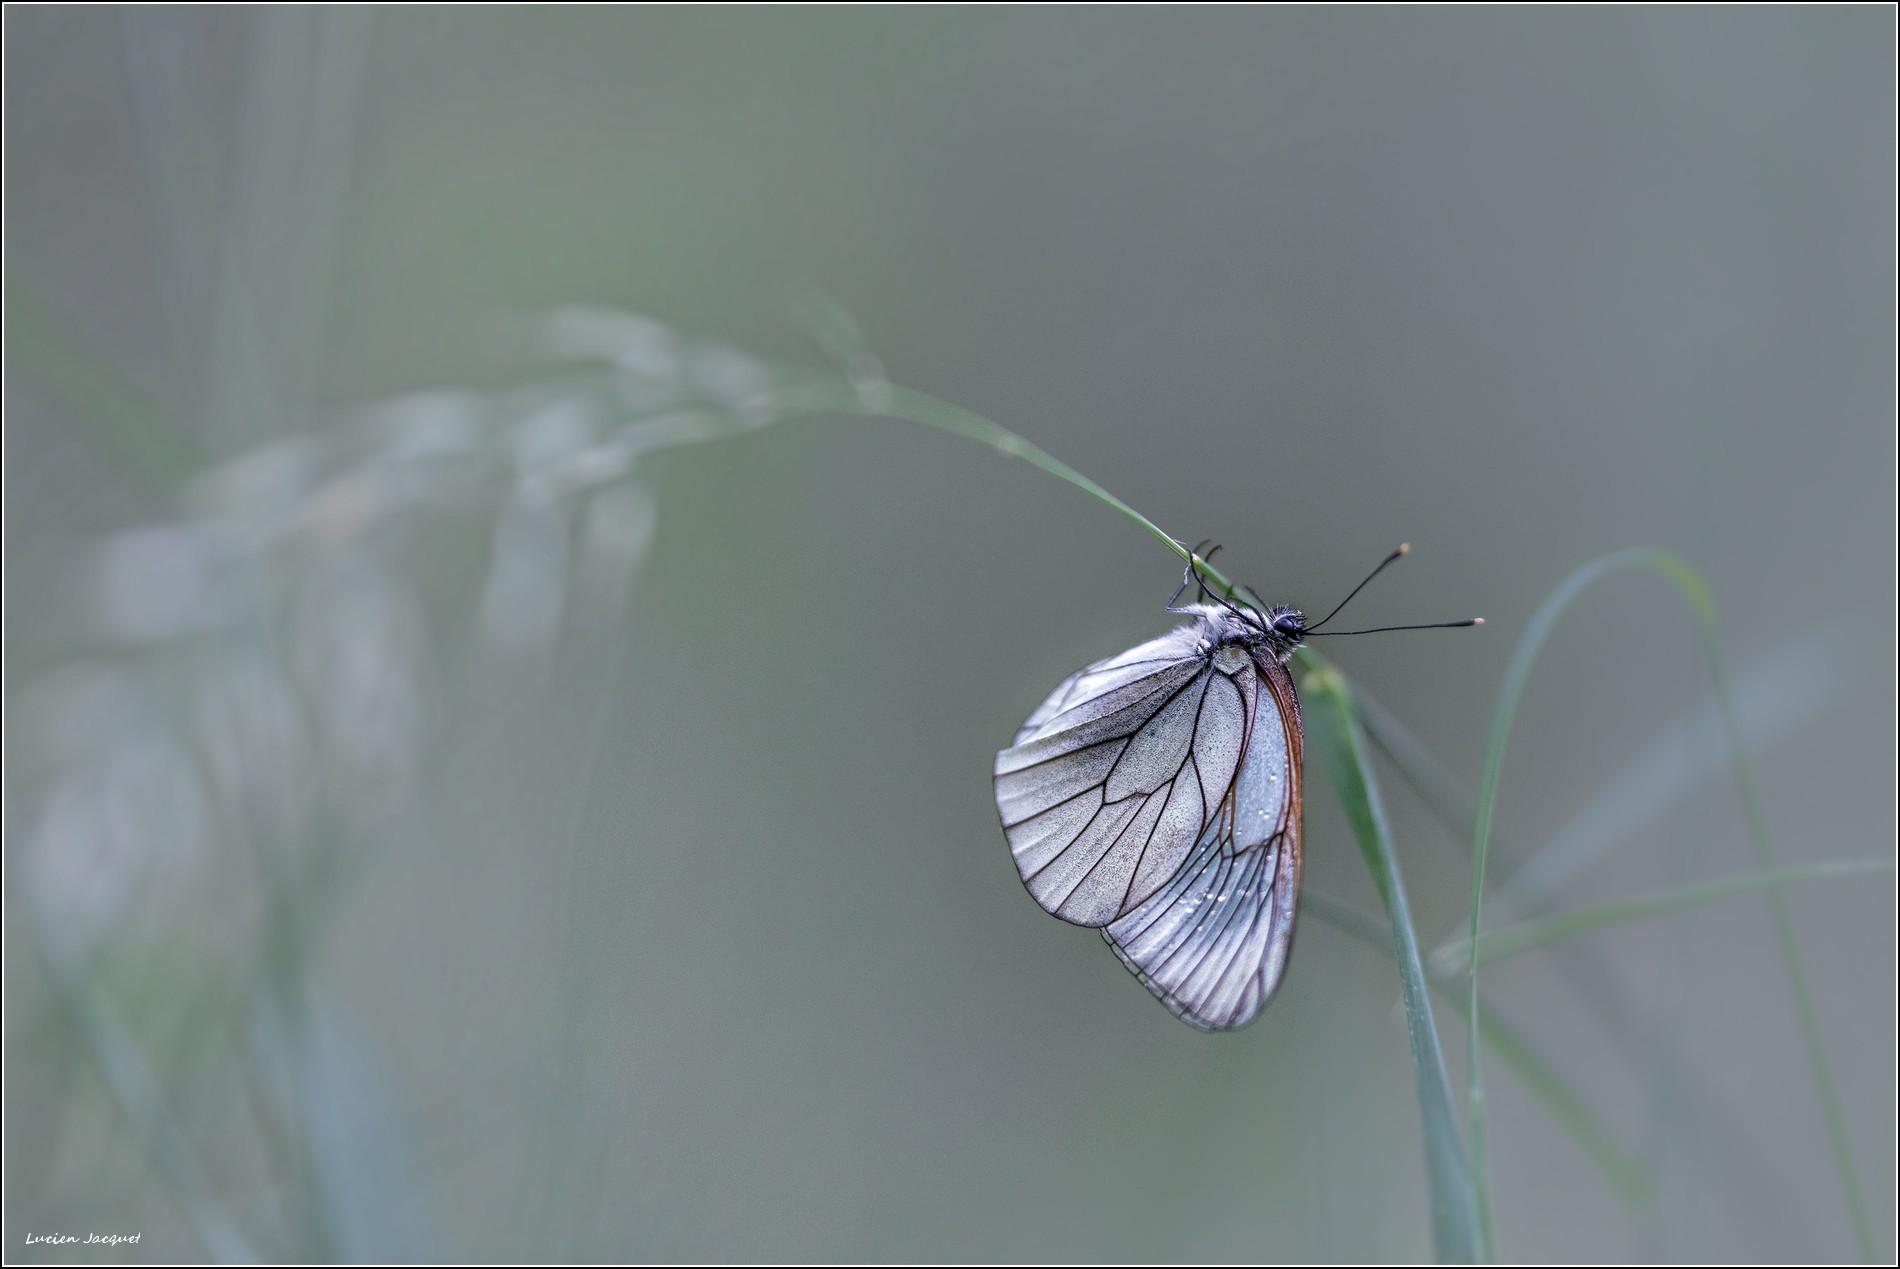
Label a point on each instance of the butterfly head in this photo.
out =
(1277, 630)
(1239, 618)
(1285, 627)
(1244, 619)
(1280, 628)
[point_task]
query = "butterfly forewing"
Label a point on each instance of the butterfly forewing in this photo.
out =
(1114, 778)
(1213, 942)
(1092, 682)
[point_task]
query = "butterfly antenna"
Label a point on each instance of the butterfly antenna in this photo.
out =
(1404, 549)
(1435, 625)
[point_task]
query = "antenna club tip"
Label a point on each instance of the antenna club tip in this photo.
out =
(1477, 621)
(1405, 548)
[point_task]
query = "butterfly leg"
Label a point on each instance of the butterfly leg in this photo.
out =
(1189, 577)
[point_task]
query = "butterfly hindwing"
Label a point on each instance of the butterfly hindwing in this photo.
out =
(1212, 943)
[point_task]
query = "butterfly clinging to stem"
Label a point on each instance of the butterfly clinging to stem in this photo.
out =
(1156, 796)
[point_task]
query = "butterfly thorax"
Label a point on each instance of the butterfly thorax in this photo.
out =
(1277, 632)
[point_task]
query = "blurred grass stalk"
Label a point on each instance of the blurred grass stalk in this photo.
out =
(247, 266)
(133, 1089)
(1522, 936)
(1695, 592)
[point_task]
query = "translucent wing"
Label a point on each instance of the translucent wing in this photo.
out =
(1213, 942)
(1114, 777)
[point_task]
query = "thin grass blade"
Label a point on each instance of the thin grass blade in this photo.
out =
(1458, 1234)
(1509, 940)
(1627, 1178)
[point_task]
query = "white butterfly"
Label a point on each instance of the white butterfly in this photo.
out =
(1156, 795)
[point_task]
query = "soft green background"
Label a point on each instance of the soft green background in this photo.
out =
(693, 937)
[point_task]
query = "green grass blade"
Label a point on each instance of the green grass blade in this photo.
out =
(836, 333)
(1627, 1178)
(888, 400)
(1511, 939)
(1458, 1233)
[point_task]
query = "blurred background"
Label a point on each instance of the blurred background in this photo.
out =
(490, 777)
